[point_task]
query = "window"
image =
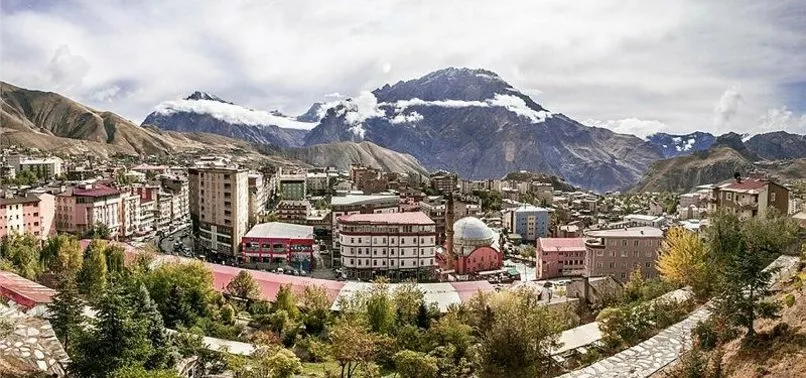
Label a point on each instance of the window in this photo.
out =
(359, 262)
(635, 243)
(359, 240)
(351, 261)
(648, 265)
(636, 254)
(599, 253)
(648, 253)
(623, 253)
(624, 243)
(772, 197)
(623, 275)
(599, 264)
(352, 240)
(612, 265)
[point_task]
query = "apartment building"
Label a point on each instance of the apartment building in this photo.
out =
(292, 185)
(179, 189)
(358, 204)
(80, 208)
(443, 182)
(642, 220)
(147, 216)
(130, 214)
(560, 257)
(258, 195)
(20, 214)
(618, 252)
(399, 245)
(528, 221)
(219, 207)
(317, 183)
(295, 212)
(43, 167)
(749, 197)
(434, 207)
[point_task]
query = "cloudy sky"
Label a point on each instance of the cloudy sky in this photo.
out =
(633, 66)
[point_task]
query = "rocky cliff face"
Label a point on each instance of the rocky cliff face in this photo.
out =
(678, 145)
(203, 112)
(343, 154)
(777, 145)
(474, 123)
(52, 122)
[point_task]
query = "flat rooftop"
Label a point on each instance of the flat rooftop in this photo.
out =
(414, 218)
(280, 230)
(633, 232)
(352, 199)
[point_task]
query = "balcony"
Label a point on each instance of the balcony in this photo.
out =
(594, 243)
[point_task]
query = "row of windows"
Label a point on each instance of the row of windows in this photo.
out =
(383, 262)
(392, 241)
(359, 251)
(626, 253)
(613, 265)
(635, 243)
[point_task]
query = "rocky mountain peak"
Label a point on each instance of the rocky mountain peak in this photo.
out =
(199, 95)
(462, 84)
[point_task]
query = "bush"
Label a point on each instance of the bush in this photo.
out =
(713, 332)
(311, 349)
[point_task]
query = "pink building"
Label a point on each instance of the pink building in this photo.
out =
(20, 215)
(560, 257)
(80, 208)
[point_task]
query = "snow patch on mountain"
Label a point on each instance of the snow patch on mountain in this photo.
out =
(230, 113)
(407, 118)
(514, 104)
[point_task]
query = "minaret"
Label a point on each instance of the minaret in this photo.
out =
(449, 231)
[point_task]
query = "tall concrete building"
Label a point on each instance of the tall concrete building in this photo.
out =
(219, 207)
(530, 222)
(618, 252)
(44, 168)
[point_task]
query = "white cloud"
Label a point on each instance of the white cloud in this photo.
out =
(231, 113)
(638, 127)
(727, 107)
(604, 59)
(782, 119)
(412, 117)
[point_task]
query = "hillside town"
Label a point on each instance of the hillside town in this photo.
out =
(292, 228)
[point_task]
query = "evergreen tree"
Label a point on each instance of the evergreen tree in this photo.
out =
(423, 321)
(178, 311)
(118, 340)
(165, 354)
(93, 275)
(66, 310)
(115, 259)
(243, 286)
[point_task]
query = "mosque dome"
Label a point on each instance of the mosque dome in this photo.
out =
(472, 232)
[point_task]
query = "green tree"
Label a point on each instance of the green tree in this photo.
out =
(411, 364)
(62, 255)
(380, 308)
(23, 253)
(26, 177)
(521, 336)
(353, 345)
(450, 331)
(92, 278)
(408, 298)
(270, 362)
(118, 340)
(165, 354)
(115, 259)
(243, 286)
(100, 231)
(286, 301)
(141, 372)
(740, 253)
(183, 292)
(315, 309)
(66, 312)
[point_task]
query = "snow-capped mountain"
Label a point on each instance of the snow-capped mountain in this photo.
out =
(203, 112)
(472, 122)
(678, 145)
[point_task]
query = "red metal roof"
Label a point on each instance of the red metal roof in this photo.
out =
(561, 244)
(467, 289)
(417, 217)
(23, 291)
(746, 184)
(96, 191)
(270, 282)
